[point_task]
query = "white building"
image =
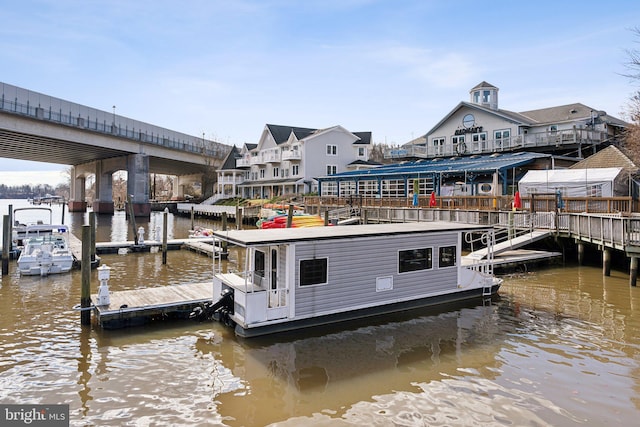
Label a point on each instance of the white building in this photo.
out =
(481, 127)
(287, 159)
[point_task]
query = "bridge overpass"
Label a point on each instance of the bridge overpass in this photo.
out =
(39, 127)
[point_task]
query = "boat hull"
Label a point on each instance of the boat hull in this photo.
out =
(433, 301)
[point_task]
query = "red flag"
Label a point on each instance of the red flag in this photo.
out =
(517, 203)
(432, 200)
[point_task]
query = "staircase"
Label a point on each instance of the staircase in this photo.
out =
(511, 243)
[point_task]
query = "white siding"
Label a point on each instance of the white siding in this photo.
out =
(352, 272)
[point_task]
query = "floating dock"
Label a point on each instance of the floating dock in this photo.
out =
(140, 306)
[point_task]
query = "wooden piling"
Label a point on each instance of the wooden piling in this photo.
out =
(633, 271)
(238, 218)
(224, 228)
(85, 266)
(165, 217)
(290, 216)
(580, 253)
(92, 224)
(6, 243)
(193, 214)
(606, 262)
(326, 217)
(132, 218)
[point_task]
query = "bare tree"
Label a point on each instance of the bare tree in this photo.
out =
(631, 141)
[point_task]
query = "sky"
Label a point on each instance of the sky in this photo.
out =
(394, 68)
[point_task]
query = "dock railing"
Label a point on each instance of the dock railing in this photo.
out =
(483, 203)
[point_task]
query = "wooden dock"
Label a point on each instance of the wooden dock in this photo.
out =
(140, 306)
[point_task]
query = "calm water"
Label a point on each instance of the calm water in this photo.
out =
(560, 347)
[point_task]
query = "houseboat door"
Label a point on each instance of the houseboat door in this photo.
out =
(278, 295)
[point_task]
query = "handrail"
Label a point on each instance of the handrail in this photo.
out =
(94, 120)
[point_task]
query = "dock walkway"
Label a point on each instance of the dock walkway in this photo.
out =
(139, 306)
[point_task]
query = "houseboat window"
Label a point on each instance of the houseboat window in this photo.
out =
(447, 256)
(295, 170)
(313, 271)
(258, 263)
(332, 150)
(332, 169)
(414, 260)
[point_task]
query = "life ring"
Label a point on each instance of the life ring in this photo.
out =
(461, 148)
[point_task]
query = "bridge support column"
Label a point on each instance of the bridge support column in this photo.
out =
(633, 271)
(606, 262)
(77, 201)
(580, 253)
(103, 203)
(138, 183)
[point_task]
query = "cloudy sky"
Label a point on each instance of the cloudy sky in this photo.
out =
(395, 68)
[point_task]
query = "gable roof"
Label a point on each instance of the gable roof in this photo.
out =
(607, 158)
(365, 137)
(230, 160)
(511, 116)
(281, 134)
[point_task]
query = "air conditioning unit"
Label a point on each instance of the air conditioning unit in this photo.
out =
(484, 189)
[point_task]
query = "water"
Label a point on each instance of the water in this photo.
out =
(560, 347)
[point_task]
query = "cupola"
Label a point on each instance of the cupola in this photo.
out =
(485, 94)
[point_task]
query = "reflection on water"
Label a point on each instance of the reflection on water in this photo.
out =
(560, 347)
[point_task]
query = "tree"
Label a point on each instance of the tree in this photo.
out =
(631, 139)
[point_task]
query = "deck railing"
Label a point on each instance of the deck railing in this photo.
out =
(534, 140)
(487, 203)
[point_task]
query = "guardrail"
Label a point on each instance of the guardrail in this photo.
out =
(67, 113)
(487, 203)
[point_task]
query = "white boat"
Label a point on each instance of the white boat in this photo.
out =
(300, 277)
(46, 251)
(28, 217)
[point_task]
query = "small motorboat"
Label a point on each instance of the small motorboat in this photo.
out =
(45, 254)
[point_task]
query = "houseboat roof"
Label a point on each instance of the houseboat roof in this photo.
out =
(289, 235)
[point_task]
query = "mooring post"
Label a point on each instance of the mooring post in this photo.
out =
(326, 217)
(224, 228)
(92, 224)
(238, 218)
(64, 204)
(290, 216)
(580, 253)
(606, 262)
(6, 239)
(132, 218)
(192, 218)
(633, 271)
(85, 267)
(165, 216)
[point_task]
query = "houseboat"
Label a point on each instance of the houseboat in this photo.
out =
(301, 277)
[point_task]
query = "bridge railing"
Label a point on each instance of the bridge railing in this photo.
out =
(91, 119)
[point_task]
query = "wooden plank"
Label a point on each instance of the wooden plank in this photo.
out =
(164, 297)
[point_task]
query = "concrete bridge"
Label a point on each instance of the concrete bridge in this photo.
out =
(38, 127)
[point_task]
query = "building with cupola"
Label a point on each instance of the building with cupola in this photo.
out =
(480, 126)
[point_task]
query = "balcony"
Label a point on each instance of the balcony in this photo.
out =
(531, 141)
(291, 155)
(271, 156)
(243, 162)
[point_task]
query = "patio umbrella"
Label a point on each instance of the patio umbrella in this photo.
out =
(432, 200)
(517, 202)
